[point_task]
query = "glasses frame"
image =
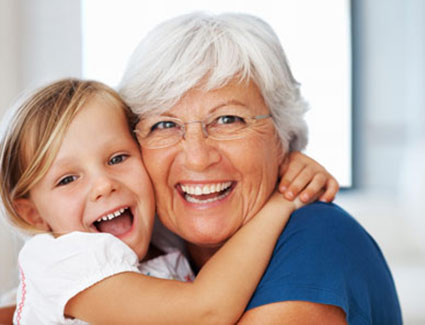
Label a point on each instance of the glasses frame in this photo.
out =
(204, 123)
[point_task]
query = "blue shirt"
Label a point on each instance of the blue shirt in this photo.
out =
(325, 256)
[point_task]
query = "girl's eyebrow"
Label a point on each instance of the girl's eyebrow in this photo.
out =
(62, 162)
(58, 166)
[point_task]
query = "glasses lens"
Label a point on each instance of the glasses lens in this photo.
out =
(162, 131)
(159, 132)
(227, 126)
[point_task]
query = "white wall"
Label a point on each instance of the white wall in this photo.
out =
(389, 35)
(9, 47)
(40, 40)
(9, 87)
(389, 104)
(50, 40)
(389, 132)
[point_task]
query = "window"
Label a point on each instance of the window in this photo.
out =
(315, 35)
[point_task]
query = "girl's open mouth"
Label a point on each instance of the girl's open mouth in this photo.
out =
(116, 223)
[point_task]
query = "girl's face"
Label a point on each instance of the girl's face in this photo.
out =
(97, 182)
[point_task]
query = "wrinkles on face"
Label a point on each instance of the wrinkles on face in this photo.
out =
(257, 194)
(250, 164)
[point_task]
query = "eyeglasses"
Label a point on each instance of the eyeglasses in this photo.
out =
(162, 131)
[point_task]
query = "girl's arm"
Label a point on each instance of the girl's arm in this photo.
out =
(304, 177)
(6, 315)
(219, 293)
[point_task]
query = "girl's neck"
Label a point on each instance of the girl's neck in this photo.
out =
(199, 255)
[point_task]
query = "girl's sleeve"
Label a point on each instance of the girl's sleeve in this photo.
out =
(53, 270)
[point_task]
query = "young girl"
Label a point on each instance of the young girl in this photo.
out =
(72, 174)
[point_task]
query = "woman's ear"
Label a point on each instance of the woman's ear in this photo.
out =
(28, 211)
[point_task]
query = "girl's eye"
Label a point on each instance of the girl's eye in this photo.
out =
(66, 180)
(117, 159)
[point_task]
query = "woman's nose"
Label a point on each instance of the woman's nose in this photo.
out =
(199, 152)
(103, 186)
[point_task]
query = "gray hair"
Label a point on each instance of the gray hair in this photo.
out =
(205, 50)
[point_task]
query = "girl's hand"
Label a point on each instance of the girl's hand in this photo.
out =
(278, 200)
(304, 177)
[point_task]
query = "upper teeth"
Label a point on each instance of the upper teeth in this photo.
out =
(205, 189)
(112, 215)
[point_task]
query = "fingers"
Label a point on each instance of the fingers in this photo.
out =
(314, 188)
(293, 169)
(306, 177)
(332, 188)
(311, 185)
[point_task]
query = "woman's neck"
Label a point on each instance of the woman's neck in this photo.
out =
(199, 255)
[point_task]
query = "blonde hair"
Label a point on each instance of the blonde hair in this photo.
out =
(34, 133)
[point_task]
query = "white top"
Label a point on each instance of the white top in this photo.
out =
(53, 270)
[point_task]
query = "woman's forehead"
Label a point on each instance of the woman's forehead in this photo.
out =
(235, 96)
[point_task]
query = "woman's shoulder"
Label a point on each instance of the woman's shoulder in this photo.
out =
(325, 256)
(322, 238)
(326, 232)
(326, 212)
(318, 219)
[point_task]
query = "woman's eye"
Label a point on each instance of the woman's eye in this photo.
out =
(229, 119)
(66, 180)
(117, 159)
(163, 125)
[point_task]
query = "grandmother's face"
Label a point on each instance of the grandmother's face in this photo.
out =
(206, 189)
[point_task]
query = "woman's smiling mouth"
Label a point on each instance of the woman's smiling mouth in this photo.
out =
(205, 193)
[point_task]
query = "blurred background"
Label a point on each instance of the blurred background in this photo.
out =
(368, 56)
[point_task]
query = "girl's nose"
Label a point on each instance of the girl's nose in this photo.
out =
(103, 186)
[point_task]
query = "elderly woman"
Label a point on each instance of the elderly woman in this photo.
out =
(220, 110)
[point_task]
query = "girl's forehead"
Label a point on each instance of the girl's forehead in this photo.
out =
(99, 110)
(98, 127)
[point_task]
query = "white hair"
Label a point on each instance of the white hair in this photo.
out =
(200, 49)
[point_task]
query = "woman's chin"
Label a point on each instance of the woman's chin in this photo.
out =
(207, 236)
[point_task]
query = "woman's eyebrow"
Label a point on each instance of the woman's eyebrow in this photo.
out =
(215, 108)
(227, 103)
